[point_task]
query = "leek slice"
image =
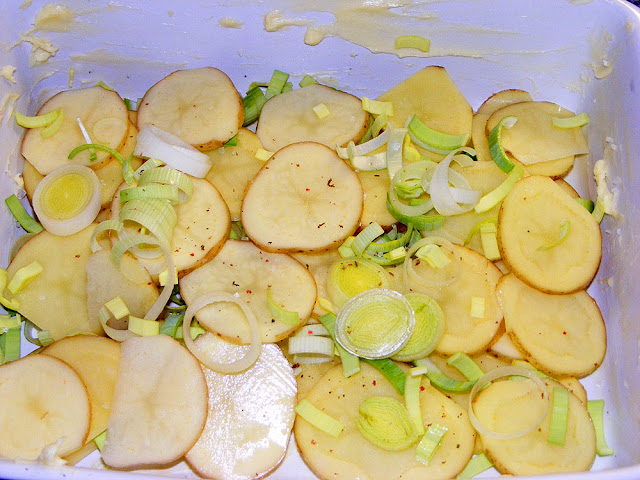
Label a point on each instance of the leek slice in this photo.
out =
(37, 121)
(420, 222)
(142, 327)
(478, 227)
(159, 192)
(172, 324)
(395, 145)
(51, 129)
(476, 466)
(430, 443)
(368, 163)
(385, 423)
(390, 245)
(117, 308)
(320, 349)
(276, 84)
(596, 410)
(413, 41)
(253, 103)
(441, 381)
(571, 122)
(465, 365)
(446, 199)
(598, 210)
(100, 440)
(21, 215)
(377, 107)
(351, 276)
(365, 237)
(306, 81)
(374, 128)
(391, 372)
(319, 419)
(489, 240)
(10, 344)
(586, 203)
(375, 324)
(433, 140)
(412, 401)
(23, 276)
(350, 362)
(168, 176)
(433, 255)
(279, 313)
(428, 330)
(411, 277)
(559, 416)
(321, 111)
(87, 138)
(477, 307)
(495, 196)
(565, 228)
(496, 149)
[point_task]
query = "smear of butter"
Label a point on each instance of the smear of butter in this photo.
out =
(7, 71)
(106, 57)
(41, 48)
(8, 104)
(275, 20)
(604, 182)
(314, 35)
(230, 22)
(54, 18)
(602, 58)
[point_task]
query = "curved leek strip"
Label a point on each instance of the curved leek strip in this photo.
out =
(375, 324)
(10, 345)
(92, 147)
(432, 140)
(157, 216)
(25, 220)
(495, 196)
(51, 129)
(37, 121)
(390, 245)
(441, 194)
(318, 418)
(350, 363)
(430, 443)
(369, 163)
(477, 228)
(142, 327)
(351, 276)
(441, 381)
(385, 423)
(428, 330)
(466, 366)
(586, 203)
(365, 237)
(158, 192)
(412, 277)
(598, 210)
(167, 176)
(311, 349)
(114, 333)
(571, 122)
(559, 416)
(413, 41)
(420, 222)
(412, 401)
(280, 314)
(255, 346)
(496, 149)
(596, 410)
(395, 147)
(500, 373)
(565, 228)
(476, 466)
(68, 199)
(153, 142)
(30, 332)
(377, 107)
(23, 276)
(413, 172)
(353, 150)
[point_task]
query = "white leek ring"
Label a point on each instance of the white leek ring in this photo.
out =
(411, 277)
(255, 345)
(441, 194)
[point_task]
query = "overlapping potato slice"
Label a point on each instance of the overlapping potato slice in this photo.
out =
(96, 360)
(318, 265)
(233, 167)
(375, 186)
(531, 219)
(103, 114)
(159, 404)
(353, 456)
(513, 405)
(200, 105)
(44, 402)
(502, 99)
(305, 198)
(562, 335)
(250, 414)
(289, 118)
(242, 268)
(56, 299)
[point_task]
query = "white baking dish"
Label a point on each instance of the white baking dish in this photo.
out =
(552, 48)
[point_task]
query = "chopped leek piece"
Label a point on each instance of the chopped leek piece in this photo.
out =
(365, 237)
(432, 140)
(409, 152)
(262, 154)
(325, 304)
(162, 192)
(117, 308)
(288, 86)
(104, 85)
(277, 82)
(477, 227)
(172, 324)
(279, 313)
(21, 215)
(13, 304)
(318, 418)
(430, 443)
(142, 327)
(421, 370)
(72, 72)
(526, 365)
(390, 245)
(441, 381)
(412, 401)
(100, 439)
(395, 145)
(428, 330)
(396, 254)
(232, 142)
(374, 128)
(346, 252)
(489, 240)
(420, 222)
(130, 104)
(350, 362)
(52, 128)
(253, 103)
(496, 149)
(476, 466)
(596, 410)
(433, 255)
(315, 329)
(167, 176)
(571, 122)
(391, 371)
(88, 146)
(45, 338)
(466, 366)
(377, 107)
(23, 276)
(163, 277)
(321, 111)
(586, 203)
(495, 196)
(8, 321)
(37, 121)
(598, 210)
(477, 307)
(385, 423)
(316, 346)
(565, 228)
(306, 81)
(10, 344)
(559, 416)
(413, 41)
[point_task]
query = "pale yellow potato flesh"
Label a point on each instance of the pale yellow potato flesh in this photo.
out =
(562, 335)
(503, 347)
(289, 118)
(318, 265)
(200, 105)
(305, 198)
(479, 138)
(502, 99)
(574, 386)
(45, 401)
(375, 186)
(530, 218)
(233, 167)
(103, 114)
(159, 405)
(555, 169)
(350, 455)
(512, 405)
(96, 360)
(242, 268)
(250, 414)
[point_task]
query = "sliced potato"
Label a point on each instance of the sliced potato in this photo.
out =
(250, 414)
(103, 114)
(530, 219)
(574, 386)
(289, 118)
(305, 198)
(375, 186)
(233, 167)
(562, 335)
(159, 404)
(56, 299)
(44, 402)
(479, 137)
(503, 347)
(200, 105)
(242, 268)
(558, 168)
(502, 99)
(96, 360)
(318, 265)
(353, 456)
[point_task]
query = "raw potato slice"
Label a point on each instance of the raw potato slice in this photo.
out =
(96, 360)
(44, 401)
(289, 118)
(502, 99)
(305, 198)
(56, 299)
(201, 106)
(530, 218)
(318, 265)
(553, 168)
(233, 167)
(479, 137)
(534, 138)
(159, 404)
(375, 186)
(511, 406)
(250, 415)
(312, 373)
(353, 456)
(574, 386)
(104, 115)
(503, 347)
(562, 335)
(242, 268)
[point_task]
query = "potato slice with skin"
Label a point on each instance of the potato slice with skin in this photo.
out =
(289, 118)
(375, 186)
(233, 167)
(242, 268)
(250, 414)
(511, 406)
(159, 404)
(56, 299)
(502, 99)
(104, 115)
(96, 360)
(530, 218)
(318, 265)
(200, 105)
(558, 168)
(305, 198)
(562, 335)
(44, 402)
(354, 457)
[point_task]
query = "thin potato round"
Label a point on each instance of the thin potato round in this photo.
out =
(305, 198)
(375, 186)
(318, 265)
(531, 219)
(553, 168)
(289, 118)
(502, 99)
(563, 335)
(200, 105)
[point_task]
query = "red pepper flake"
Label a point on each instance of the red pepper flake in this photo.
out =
(421, 388)
(192, 254)
(310, 332)
(248, 291)
(374, 383)
(564, 333)
(313, 442)
(306, 189)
